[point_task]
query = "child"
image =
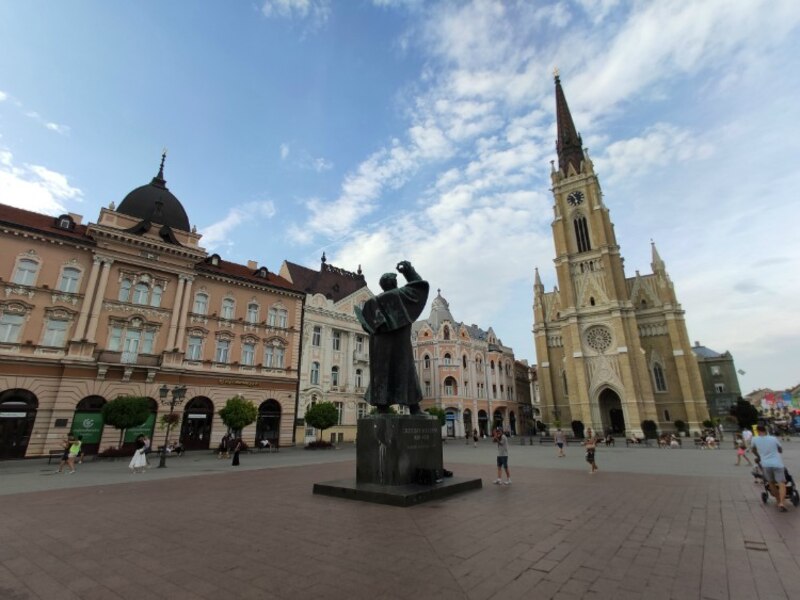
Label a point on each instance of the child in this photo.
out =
(741, 450)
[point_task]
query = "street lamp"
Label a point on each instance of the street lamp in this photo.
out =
(178, 393)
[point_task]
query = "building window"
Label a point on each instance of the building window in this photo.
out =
(227, 308)
(222, 351)
(248, 354)
(359, 379)
(362, 410)
(273, 357)
(427, 361)
(10, 327)
(447, 359)
(124, 290)
(69, 280)
(26, 272)
(335, 376)
(337, 340)
(446, 332)
(315, 373)
(360, 344)
(492, 365)
(464, 361)
(194, 349)
(140, 293)
(130, 346)
(719, 388)
(582, 234)
(428, 388)
(494, 391)
(316, 336)
(278, 317)
(114, 338)
(200, 304)
(480, 390)
(148, 339)
(252, 313)
(564, 383)
(666, 416)
(658, 377)
(339, 412)
(155, 297)
(715, 371)
(466, 387)
(450, 387)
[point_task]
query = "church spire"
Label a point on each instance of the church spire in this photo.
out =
(538, 288)
(657, 264)
(568, 144)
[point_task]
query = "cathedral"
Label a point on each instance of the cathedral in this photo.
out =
(612, 351)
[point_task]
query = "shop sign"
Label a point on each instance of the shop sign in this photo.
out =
(89, 425)
(196, 416)
(12, 415)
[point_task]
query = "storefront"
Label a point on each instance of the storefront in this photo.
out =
(17, 414)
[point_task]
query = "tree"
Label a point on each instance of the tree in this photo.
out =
(745, 413)
(650, 429)
(238, 413)
(125, 412)
(322, 416)
(438, 413)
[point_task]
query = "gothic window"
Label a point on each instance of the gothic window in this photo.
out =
(494, 391)
(315, 373)
(658, 378)
(492, 365)
(140, 293)
(427, 361)
(124, 290)
(447, 359)
(450, 387)
(228, 306)
(335, 376)
(155, 297)
(464, 361)
(598, 338)
(446, 332)
(249, 353)
(11, 327)
(252, 313)
(25, 273)
(316, 336)
(582, 234)
(69, 280)
(200, 303)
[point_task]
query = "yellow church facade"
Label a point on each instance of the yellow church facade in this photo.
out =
(612, 351)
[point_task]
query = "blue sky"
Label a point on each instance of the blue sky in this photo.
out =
(385, 130)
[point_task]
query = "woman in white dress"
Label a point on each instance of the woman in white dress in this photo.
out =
(139, 461)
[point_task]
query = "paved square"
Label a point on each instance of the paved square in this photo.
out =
(200, 529)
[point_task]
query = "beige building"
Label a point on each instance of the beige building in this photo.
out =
(130, 304)
(612, 350)
(335, 349)
(465, 371)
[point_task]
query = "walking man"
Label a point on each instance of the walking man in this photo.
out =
(560, 441)
(768, 450)
(502, 456)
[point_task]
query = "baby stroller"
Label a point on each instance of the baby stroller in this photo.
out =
(791, 487)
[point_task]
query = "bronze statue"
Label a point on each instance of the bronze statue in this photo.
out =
(387, 319)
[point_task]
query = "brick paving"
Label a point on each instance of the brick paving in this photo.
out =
(557, 532)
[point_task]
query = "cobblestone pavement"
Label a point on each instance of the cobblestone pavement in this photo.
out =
(201, 529)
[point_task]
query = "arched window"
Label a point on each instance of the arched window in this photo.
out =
(658, 378)
(591, 300)
(492, 365)
(252, 313)
(582, 234)
(200, 303)
(450, 387)
(359, 378)
(427, 361)
(25, 273)
(315, 373)
(124, 290)
(227, 308)
(155, 297)
(447, 359)
(446, 332)
(140, 293)
(335, 376)
(69, 280)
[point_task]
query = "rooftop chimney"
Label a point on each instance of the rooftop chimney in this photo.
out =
(252, 265)
(76, 218)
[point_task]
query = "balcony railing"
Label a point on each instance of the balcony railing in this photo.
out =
(128, 358)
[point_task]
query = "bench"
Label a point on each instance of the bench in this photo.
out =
(270, 448)
(646, 442)
(54, 454)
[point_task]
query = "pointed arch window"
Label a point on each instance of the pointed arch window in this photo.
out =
(427, 361)
(464, 361)
(658, 378)
(582, 234)
(447, 359)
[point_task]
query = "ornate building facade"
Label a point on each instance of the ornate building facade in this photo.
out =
(335, 349)
(612, 350)
(465, 371)
(126, 306)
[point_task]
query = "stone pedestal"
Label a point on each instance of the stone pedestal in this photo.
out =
(390, 451)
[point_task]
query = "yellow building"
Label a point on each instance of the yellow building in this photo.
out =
(126, 306)
(612, 350)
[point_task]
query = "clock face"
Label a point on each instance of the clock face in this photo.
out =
(575, 198)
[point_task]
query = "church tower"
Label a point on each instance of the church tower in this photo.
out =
(612, 351)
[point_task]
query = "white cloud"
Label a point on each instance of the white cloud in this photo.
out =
(34, 187)
(219, 233)
(3, 96)
(284, 151)
(62, 129)
(318, 11)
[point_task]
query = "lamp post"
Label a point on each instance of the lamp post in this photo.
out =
(178, 393)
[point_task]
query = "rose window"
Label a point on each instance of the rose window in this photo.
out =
(598, 338)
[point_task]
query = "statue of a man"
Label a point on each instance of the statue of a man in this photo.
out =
(387, 319)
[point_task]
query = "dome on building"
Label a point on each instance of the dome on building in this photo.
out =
(154, 202)
(440, 312)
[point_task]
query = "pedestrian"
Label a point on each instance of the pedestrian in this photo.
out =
(223, 446)
(138, 462)
(747, 436)
(467, 436)
(768, 450)
(560, 441)
(74, 450)
(502, 456)
(590, 445)
(741, 450)
(236, 444)
(65, 445)
(474, 438)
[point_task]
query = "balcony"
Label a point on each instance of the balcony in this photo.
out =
(360, 357)
(128, 358)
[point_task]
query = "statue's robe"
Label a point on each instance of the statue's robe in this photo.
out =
(388, 318)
